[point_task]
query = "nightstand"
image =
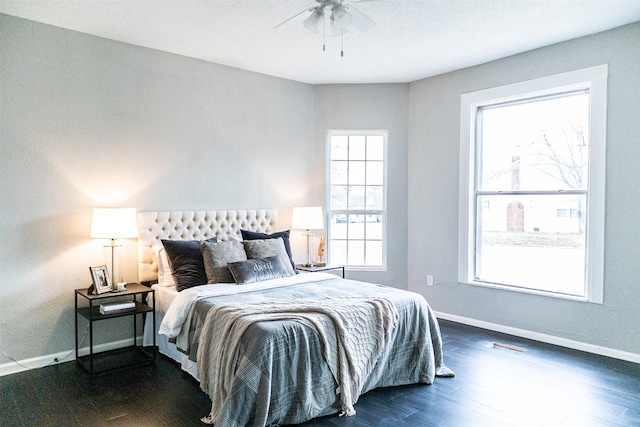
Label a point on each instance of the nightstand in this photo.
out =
(316, 268)
(96, 362)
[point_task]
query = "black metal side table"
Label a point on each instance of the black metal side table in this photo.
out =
(96, 362)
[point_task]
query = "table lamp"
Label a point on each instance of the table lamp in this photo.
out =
(308, 218)
(112, 224)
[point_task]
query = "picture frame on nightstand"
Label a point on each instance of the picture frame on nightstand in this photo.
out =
(101, 280)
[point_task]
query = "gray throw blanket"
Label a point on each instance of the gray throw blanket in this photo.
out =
(353, 331)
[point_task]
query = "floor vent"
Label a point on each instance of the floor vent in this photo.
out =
(509, 347)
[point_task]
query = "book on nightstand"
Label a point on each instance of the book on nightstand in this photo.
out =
(117, 307)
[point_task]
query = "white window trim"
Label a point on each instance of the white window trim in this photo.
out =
(384, 212)
(593, 78)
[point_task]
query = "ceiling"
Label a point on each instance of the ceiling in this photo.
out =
(412, 39)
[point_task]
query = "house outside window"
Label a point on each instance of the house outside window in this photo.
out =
(532, 186)
(356, 199)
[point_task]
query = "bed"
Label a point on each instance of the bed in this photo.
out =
(287, 349)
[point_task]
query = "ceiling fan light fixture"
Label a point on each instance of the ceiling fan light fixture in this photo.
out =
(340, 18)
(335, 31)
(315, 21)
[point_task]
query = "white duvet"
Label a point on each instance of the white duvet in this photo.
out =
(180, 307)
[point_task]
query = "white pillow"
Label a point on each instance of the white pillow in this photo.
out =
(165, 278)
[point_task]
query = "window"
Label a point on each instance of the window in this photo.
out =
(532, 186)
(357, 199)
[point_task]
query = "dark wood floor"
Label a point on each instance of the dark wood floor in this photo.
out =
(544, 386)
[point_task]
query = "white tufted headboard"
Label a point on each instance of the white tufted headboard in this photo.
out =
(196, 225)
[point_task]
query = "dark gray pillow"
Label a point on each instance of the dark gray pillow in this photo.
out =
(257, 249)
(284, 235)
(217, 255)
(258, 270)
(185, 260)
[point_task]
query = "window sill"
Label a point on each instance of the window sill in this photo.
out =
(371, 269)
(538, 292)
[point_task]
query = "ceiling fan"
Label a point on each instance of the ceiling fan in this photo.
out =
(342, 15)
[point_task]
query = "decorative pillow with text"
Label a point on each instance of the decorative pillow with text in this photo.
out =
(257, 249)
(258, 270)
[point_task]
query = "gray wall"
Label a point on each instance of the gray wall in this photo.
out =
(434, 135)
(373, 107)
(89, 122)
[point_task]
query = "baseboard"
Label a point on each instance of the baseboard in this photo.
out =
(61, 357)
(549, 339)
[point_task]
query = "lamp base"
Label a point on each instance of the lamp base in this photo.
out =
(309, 261)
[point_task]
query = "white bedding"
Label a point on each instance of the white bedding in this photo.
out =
(178, 310)
(164, 298)
(171, 316)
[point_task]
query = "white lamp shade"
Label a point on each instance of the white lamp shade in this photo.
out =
(308, 218)
(315, 21)
(340, 17)
(114, 223)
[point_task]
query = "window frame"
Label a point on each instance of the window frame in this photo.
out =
(593, 79)
(382, 212)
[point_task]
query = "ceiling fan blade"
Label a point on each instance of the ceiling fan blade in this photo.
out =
(361, 21)
(295, 16)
